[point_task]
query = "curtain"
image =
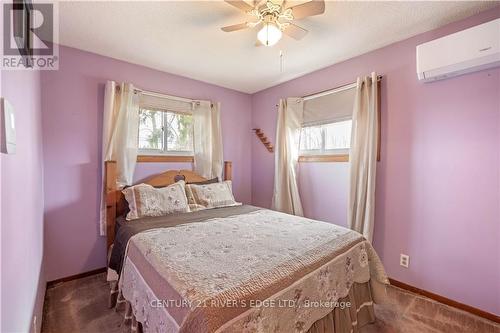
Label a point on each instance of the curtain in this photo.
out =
(119, 138)
(208, 160)
(363, 157)
(286, 192)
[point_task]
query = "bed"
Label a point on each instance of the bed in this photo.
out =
(238, 269)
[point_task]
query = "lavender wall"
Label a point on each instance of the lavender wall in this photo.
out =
(72, 103)
(22, 281)
(438, 180)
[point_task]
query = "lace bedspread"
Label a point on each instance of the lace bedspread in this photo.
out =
(263, 271)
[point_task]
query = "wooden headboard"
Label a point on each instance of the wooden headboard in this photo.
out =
(116, 204)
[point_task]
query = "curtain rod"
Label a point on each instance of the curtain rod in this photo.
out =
(155, 94)
(176, 98)
(334, 90)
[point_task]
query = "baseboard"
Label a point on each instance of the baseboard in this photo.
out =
(447, 301)
(76, 276)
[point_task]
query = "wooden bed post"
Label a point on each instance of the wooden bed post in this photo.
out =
(228, 170)
(110, 176)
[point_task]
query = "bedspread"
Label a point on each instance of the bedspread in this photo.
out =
(262, 271)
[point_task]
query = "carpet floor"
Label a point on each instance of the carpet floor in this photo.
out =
(82, 306)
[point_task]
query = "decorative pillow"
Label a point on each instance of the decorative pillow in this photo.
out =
(190, 196)
(147, 201)
(192, 204)
(196, 207)
(211, 195)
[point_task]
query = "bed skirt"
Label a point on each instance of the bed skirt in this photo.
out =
(354, 311)
(349, 318)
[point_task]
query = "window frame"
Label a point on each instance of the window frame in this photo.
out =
(323, 154)
(162, 155)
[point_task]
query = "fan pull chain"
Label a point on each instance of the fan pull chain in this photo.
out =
(282, 62)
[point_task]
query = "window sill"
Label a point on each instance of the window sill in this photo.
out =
(165, 158)
(324, 158)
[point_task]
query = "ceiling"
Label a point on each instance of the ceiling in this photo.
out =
(184, 37)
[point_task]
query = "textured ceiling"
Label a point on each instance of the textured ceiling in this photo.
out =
(184, 37)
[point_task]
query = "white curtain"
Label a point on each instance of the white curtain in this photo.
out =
(208, 160)
(286, 196)
(119, 138)
(363, 157)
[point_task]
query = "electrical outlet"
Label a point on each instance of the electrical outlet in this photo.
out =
(404, 260)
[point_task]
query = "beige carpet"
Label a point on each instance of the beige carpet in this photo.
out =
(81, 306)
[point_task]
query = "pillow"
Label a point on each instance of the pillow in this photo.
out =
(211, 195)
(147, 201)
(192, 203)
(196, 207)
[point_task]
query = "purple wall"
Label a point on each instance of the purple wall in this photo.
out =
(438, 180)
(22, 281)
(325, 202)
(72, 103)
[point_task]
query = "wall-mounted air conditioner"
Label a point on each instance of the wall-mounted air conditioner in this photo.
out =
(463, 52)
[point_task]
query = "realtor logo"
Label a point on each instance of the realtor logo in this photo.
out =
(30, 35)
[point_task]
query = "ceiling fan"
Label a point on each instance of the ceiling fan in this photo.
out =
(275, 18)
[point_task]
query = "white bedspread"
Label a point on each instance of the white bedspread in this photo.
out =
(213, 276)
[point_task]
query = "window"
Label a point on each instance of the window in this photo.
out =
(163, 132)
(327, 139)
(326, 128)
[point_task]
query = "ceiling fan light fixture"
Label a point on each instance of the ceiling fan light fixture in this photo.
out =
(270, 34)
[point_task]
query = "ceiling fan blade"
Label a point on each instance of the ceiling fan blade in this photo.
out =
(240, 4)
(235, 27)
(311, 8)
(258, 43)
(295, 31)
